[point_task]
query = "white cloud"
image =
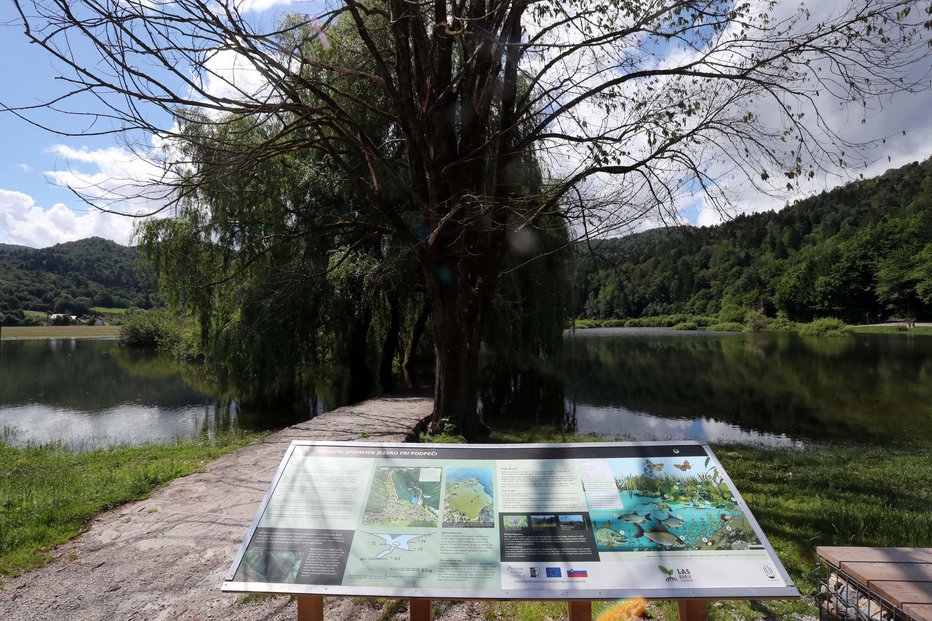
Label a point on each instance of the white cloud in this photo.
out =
(884, 117)
(26, 168)
(113, 178)
(24, 222)
(233, 76)
(257, 6)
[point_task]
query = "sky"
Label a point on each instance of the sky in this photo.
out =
(37, 210)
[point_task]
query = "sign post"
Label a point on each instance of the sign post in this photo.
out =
(574, 522)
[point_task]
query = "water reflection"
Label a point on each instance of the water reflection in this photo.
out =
(91, 393)
(771, 388)
(642, 426)
(776, 389)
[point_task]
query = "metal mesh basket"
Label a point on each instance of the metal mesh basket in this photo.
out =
(842, 598)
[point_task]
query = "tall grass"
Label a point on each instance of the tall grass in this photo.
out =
(48, 493)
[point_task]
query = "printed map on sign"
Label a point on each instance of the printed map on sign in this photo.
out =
(590, 521)
(404, 497)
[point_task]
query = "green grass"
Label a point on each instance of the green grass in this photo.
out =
(918, 330)
(103, 310)
(37, 315)
(49, 493)
(817, 328)
(827, 495)
(55, 332)
(685, 325)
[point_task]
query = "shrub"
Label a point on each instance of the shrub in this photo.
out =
(781, 322)
(142, 329)
(686, 325)
(732, 313)
(755, 321)
(161, 328)
(728, 326)
(827, 326)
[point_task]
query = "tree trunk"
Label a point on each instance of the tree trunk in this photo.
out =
(360, 377)
(386, 378)
(455, 314)
(415, 338)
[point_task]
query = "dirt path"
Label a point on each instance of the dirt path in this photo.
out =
(165, 558)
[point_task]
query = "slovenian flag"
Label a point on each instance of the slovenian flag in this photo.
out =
(577, 573)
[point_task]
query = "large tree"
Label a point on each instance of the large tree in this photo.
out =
(630, 104)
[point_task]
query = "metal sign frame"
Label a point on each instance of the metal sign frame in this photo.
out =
(653, 558)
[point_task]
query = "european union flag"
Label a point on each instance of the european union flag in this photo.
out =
(554, 572)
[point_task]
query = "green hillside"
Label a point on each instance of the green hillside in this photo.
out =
(69, 278)
(861, 252)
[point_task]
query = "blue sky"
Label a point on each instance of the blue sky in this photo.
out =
(35, 209)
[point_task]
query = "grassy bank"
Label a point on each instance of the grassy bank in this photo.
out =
(856, 496)
(819, 327)
(54, 332)
(49, 493)
(893, 329)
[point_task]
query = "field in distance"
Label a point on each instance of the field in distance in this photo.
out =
(46, 332)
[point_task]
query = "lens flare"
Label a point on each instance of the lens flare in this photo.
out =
(624, 610)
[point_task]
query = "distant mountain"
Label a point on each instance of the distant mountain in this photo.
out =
(11, 247)
(70, 278)
(859, 252)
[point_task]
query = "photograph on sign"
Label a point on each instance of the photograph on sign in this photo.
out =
(594, 521)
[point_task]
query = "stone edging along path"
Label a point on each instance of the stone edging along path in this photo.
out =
(165, 558)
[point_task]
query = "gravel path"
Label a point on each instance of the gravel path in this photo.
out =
(165, 558)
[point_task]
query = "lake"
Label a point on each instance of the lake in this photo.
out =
(88, 393)
(776, 389)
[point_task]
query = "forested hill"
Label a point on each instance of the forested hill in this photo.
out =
(70, 277)
(859, 252)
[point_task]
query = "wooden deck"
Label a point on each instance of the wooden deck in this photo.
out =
(900, 576)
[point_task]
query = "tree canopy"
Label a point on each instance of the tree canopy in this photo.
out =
(70, 278)
(860, 253)
(439, 113)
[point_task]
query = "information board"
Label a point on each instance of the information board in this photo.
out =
(565, 521)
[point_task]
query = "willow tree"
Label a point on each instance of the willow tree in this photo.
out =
(630, 103)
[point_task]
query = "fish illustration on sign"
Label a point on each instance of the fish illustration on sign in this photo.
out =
(660, 506)
(659, 536)
(672, 522)
(633, 518)
(683, 467)
(609, 537)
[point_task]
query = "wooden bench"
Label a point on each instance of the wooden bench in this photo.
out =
(876, 583)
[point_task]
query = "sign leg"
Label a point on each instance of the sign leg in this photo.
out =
(310, 608)
(419, 609)
(579, 610)
(692, 609)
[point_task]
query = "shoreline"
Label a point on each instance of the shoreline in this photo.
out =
(165, 557)
(36, 333)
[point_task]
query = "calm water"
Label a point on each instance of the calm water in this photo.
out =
(769, 388)
(89, 393)
(775, 389)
